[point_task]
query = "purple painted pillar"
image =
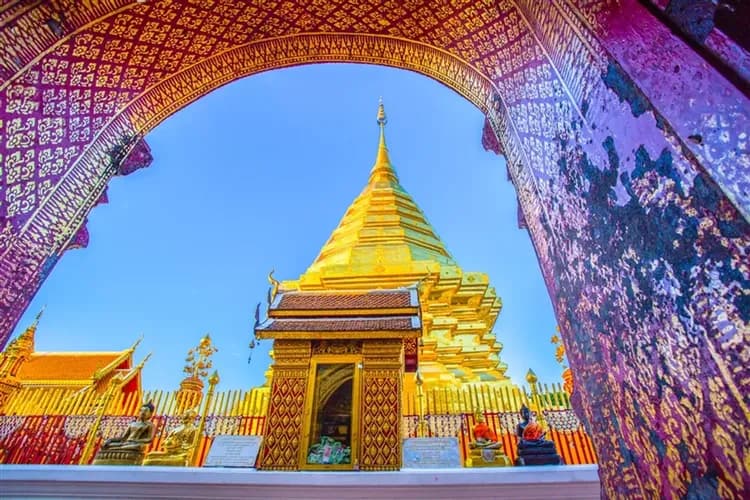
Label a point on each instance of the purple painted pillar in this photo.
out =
(629, 152)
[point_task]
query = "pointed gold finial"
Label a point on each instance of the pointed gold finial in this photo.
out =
(382, 119)
(39, 316)
(382, 170)
(136, 344)
(143, 362)
(24, 343)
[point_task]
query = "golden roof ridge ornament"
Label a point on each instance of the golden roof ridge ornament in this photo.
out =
(135, 345)
(383, 169)
(143, 362)
(274, 290)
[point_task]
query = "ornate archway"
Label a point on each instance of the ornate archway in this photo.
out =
(629, 162)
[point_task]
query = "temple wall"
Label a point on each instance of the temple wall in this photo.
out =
(288, 397)
(53, 428)
(380, 422)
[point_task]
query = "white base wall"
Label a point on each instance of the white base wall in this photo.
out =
(70, 481)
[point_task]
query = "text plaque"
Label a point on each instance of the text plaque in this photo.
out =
(233, 451)
(431, 453)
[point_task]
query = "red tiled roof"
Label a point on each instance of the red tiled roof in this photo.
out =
(342, 324)
(64, 366)
(381, 299)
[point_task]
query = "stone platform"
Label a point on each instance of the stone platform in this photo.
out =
(58, 481)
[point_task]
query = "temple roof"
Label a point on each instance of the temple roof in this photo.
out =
(383, 226)
(71, 366)
(350, 314)
(297, 302)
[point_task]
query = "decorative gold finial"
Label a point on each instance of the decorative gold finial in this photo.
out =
(198, 360)
(214, 378)
(39, 315)
(136, 343)
(382, 119)
(531, 377)
(567, 374)
(143, 362)
(382, 170)
(23, 345)
(560, 348)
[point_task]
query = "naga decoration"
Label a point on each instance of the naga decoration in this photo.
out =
(254, 340)
(274, 290)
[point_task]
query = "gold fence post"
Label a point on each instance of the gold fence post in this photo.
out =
(212, 381)
(531, 378)
(106, 398)
(420, 399)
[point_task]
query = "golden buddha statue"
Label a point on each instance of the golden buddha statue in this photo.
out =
(179, 444)
(128, 448)
(486, 450)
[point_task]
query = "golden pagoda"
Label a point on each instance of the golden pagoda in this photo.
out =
(384, 241)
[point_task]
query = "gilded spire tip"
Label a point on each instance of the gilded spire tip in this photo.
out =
(39, 316)
(382, 119)
(382, 170)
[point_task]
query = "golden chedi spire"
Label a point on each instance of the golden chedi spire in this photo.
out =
(18, 351)
(383, 231)
(24, 343)
(385, 241)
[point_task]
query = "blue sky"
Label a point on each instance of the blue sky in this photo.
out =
(255, 176)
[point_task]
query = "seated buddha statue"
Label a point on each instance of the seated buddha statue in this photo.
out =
(128, 448)
(484, 437)
(178, 446)
(485, 449)
(533, 449)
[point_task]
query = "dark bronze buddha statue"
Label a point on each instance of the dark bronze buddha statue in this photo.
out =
(533, 449)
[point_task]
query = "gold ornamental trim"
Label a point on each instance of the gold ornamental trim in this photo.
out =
(306, 313)
(166, 97)
(339, 335)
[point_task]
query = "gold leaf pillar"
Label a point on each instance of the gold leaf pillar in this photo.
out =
(380, 432)
(283, 428)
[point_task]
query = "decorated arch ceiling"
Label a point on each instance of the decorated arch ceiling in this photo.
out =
(119, 68)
